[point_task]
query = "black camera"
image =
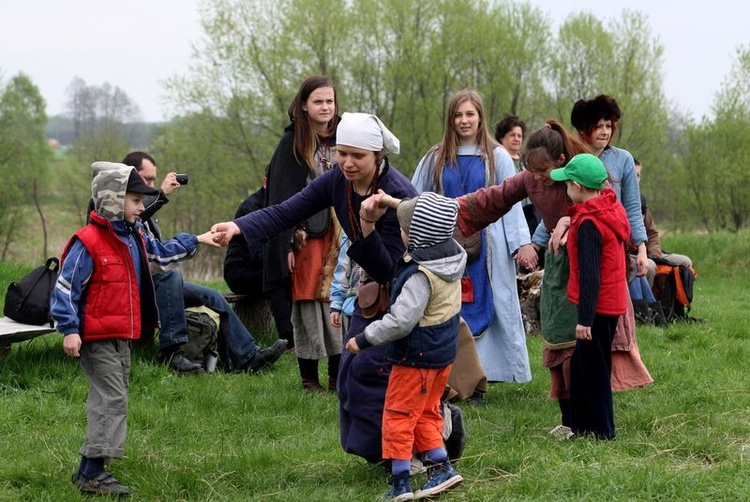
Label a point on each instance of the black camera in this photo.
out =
(182, 179)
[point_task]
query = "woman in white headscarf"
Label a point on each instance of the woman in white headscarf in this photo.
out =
(361, 169)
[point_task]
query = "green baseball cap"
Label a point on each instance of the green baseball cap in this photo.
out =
(585, 169)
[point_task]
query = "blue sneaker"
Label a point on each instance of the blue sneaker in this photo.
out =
(443, 477)
(400, 488)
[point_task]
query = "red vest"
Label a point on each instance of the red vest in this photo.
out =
(113, 301)
(610, 219)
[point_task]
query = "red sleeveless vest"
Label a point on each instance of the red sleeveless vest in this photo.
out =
(113, 303)
(607, 214)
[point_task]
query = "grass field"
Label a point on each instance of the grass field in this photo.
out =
(227, 437)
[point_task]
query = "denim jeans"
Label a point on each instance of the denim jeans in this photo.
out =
(171, 304)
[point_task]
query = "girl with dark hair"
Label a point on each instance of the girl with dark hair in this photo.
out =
(596, 122)
(548, 148)
(306, 255)
(361, 168)
(467, 159)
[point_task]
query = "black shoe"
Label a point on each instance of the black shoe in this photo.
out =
(657, 315)
(642, 312)
(477, 398)
(103, 483)
(263, 358)
(179, 363)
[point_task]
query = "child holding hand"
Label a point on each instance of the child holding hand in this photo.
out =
(421, 330)
(104, 299)
(598, 231)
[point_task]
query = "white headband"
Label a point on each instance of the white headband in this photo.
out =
(366, 131)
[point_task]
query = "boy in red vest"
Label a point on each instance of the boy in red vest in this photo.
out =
(598, 231)
(103, 299)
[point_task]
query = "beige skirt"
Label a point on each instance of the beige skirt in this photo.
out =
(314, 337)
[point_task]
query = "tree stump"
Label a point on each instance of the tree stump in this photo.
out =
(255, 314)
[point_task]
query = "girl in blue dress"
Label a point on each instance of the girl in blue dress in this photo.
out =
(468, 159)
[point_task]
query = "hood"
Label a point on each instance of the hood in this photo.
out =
(108, 189)
(446, 260)
(608, 210)
(428, 219)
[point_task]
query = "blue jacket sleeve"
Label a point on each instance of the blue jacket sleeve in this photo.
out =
(379, 253)
(340, 283)
(631, 200)
(163, 255)
(541, 235)
(72, 280)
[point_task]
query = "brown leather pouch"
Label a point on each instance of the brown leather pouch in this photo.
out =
(373, 298)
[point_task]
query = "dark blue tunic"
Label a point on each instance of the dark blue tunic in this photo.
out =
(362, 380)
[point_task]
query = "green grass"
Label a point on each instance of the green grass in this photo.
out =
(226, 437)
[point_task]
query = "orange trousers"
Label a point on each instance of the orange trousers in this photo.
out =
(412, 421)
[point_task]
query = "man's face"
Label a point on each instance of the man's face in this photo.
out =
(148, 172)
(133, 206)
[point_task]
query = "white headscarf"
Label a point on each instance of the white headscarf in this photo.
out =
(366, 131)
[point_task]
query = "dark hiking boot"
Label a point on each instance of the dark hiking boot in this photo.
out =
(657, 315)
(103, 483)
(312, 385)
(332, 385)
(642, 312)
(178, 363)
(264, 358)
(477, 398)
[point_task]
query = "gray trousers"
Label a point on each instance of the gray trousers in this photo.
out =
(106, 364)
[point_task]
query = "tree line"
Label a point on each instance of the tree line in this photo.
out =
(402, 60)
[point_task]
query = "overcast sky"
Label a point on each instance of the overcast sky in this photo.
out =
(137, 44)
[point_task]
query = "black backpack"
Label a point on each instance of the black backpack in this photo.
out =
(203, 326)
(28, 300)
(673, 287)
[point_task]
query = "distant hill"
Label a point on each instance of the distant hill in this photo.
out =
(137, 134)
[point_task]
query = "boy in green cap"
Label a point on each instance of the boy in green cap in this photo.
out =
(598, 231)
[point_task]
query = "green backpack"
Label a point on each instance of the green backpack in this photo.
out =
(203, 335)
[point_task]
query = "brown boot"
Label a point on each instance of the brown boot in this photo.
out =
(332, 385)
(312, 385)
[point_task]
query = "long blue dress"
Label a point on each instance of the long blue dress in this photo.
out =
(495, 315)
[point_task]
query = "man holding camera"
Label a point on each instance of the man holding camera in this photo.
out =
(172, 293)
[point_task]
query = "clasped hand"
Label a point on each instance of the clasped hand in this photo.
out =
(222, 233)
